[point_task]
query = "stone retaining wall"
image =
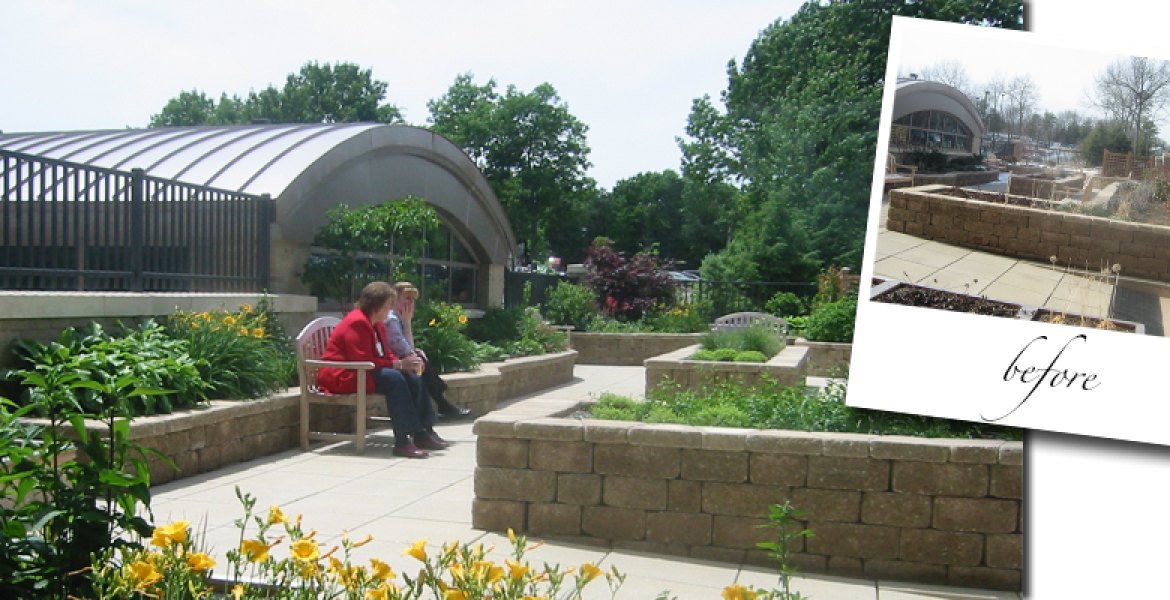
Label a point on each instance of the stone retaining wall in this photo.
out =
(881, 507)
(228, 432)
(959, 178)
(787, 368)
(1142, 250)
(1024, 169)
(1032, 187)
(827, 359)
(626, 349)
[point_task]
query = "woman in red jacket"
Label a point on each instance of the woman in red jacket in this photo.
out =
(361, 336)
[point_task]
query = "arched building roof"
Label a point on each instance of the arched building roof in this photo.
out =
(307, 168)
(913, 95)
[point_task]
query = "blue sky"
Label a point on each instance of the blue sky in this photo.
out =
(628, 69)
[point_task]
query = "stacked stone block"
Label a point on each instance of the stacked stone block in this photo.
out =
(788, 368)
(1142, 250)
(627, 349)
(883, 507)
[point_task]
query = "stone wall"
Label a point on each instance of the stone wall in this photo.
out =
(1033, 187)
(1142, 250)
(925, 510)
(787, 368)
(227, 432)
(1024, 169)
(827, 359)
(626, 349)
(959, 178)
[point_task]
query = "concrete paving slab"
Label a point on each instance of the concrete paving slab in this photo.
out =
(895, 267)
(1016, 295)
(933, 254)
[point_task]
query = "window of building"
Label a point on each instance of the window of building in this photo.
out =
(931, 129)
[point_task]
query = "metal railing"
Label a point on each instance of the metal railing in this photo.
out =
(73, 227)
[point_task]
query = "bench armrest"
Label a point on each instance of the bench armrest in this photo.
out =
(358, 365)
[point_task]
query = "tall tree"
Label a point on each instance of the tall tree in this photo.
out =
(340, 93)
(1022, 95)
(532, 150)
(1131, 90)
(799, 133)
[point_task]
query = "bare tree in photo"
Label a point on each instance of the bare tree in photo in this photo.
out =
(1022, 95)
(1133, 90)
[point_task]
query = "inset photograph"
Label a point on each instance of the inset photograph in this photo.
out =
(1027, 183)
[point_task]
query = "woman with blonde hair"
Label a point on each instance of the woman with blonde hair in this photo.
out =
(361, 336)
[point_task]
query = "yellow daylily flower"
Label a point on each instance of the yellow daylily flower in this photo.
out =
(258, 332)
(511, 536)
(517, 571)
(418, 550)
(200, 561)
(238, 591)
(381, 571)
(246, 308)
(194, 325)
(382, 593)
(255, 551)
(454, 595)
(229, 320)
(589, 572)
(305, 550)
(463, 319)
(432, 323)
(738, 592)
(169, 534)
(457, 571)
(275, 515)
(143, 574)
(244, 331)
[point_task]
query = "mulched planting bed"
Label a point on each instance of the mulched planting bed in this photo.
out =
(912, 295)
(1046, 316)
(998, 198)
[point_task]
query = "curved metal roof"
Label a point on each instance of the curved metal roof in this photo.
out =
(913, 95)
(306, 168)
(254, 159)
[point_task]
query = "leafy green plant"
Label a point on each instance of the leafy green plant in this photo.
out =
(757, 339)
(146, 355)
(725, 354)
(783, 519)
(680, 318)
(497, 326)
(448, 349)
(752, 356)
(570, 304)
(70, 492)
(704, 355)
(833, 322)
(785, 304)
(237, 355)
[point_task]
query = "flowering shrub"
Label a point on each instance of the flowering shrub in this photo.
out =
(438, 330)
(174, 567)
(240, 357)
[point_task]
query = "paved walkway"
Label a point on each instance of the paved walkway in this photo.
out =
(400, 501)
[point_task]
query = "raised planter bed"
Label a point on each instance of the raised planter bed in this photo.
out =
(626, 349)
(899, 292)
(1040, 185)
(930, 212)
(881, 507)
(228, 432)
(956, 178)
(787, 368)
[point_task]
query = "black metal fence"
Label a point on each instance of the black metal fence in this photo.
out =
(68, 226)
(515, 283)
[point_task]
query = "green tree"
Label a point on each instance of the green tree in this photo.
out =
(799, 130)
(531, 149)
(1106, 135)
(339, 93)
(370, 243)
(647, 210)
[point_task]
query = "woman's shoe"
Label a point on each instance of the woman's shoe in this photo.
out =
(450, 411)
(429, 441)
(409, 451)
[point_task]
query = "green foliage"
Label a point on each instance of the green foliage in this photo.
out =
(70, 493)
(703, 355)
(570, 304)
(784, 520)
(146, 355)
(792, 408)
(1106, 135)
(833, 322)
(724, 354)
(497, 326)
(830, 287)
(785, 304)
(394, 232)
(752, 356)
(447, 348)
(755, 339)
(338, 93)
(609, 325)
(536, 337)
(237, 354)
(681, 318)
(532, 150)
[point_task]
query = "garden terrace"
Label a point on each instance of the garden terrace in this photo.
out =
(927, 510)
(959, 178)
(933, 212)
(228, 432)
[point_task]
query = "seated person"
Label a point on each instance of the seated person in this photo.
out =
(361, 336)
(402, 344)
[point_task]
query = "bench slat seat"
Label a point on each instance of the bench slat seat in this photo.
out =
(745, 320)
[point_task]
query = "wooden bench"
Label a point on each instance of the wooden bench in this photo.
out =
(744, 320)
(311, 343)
